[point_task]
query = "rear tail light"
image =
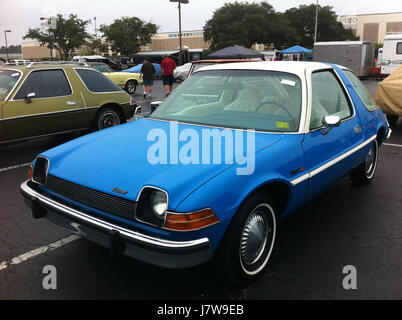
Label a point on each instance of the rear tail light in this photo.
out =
(190, 221)
(30, 173)
(132, 101)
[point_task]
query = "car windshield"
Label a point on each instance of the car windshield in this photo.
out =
(101, 67)
(246, 99)
(197, 66)
(8, 79)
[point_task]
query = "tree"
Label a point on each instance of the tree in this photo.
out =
(302, 20)
(244, 24)
(126, 35)
(96, 46)
(68, 35)
(11, 49)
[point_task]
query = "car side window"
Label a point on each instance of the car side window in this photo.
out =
(45, 84)
(97, 82)
(364, 94)
(328, 98)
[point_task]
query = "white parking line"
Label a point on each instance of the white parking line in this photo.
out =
(393, 145)
(36, 252)
(15, 167)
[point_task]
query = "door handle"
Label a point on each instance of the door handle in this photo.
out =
(71, 103)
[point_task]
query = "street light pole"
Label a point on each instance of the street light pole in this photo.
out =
(96, 32)
(180, 40)
(316, 22)
(5, 36)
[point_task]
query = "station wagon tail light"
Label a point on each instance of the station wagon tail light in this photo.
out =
(132, 102)
(190, 221)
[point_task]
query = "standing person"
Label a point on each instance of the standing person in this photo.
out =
(167, 67)
(148, 72)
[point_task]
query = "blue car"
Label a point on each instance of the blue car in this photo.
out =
(212, 170)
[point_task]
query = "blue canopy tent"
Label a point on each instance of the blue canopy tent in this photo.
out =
(297, 50)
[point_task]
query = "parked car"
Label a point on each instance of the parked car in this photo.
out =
(45, 99)
(197, 64)
(18, 62)
(389, 96)
(153, 195)
(126, 81)
(181, 72)
(96, 58)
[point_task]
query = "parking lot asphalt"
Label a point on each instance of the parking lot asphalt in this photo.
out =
(347, 225)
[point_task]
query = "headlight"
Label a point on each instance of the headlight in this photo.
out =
(159, 203)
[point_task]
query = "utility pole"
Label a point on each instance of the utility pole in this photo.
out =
(5, 36)
(180, 41)
(316, 22)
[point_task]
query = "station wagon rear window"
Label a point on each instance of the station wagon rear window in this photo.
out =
(97, 82)
(8, 79)
(245, 99)
(45, 84)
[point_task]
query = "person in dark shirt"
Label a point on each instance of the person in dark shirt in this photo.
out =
(167, 67)
(148, 73)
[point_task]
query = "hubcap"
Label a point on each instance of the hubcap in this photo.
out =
(370, 162)
(254, 237)
(130, 87)
(109, 119)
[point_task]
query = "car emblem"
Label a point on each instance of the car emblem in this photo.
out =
(117, 190)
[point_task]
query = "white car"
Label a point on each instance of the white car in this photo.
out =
(181, 73)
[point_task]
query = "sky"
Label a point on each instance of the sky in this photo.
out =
(19, 15)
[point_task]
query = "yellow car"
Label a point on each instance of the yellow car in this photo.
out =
(126, 81)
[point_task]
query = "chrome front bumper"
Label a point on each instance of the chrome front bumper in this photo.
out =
(119, 240)
(389, 132)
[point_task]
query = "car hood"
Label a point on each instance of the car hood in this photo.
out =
(119, 158)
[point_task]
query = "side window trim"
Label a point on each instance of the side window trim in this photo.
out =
(345, 92)
(32, 71)
(399, 46)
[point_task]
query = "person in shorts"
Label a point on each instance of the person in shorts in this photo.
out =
(167, 67)
(148, 73)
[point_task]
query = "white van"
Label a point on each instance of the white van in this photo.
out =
(392, 53)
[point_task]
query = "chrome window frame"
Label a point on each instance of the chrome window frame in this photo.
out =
(45, 69)
(16, 84)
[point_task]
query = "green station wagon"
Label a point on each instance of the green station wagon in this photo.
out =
(46, 99)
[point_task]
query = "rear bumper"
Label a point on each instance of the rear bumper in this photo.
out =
(119, 240)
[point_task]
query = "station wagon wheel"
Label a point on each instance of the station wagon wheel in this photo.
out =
(106, 118)
(365, 172)
(131, 86)
(248, 243)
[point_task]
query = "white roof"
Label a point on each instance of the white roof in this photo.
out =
(295, 67)
(393, 36)
(337, 43)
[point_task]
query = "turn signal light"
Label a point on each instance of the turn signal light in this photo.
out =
(190, 221)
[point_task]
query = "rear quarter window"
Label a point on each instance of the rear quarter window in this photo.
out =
(97, 82)
(363, 93)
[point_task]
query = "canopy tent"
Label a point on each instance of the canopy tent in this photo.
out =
(235, 52)
(296, 50)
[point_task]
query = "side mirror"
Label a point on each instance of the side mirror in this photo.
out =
(29, 97)
(330, 122)
(155, 105)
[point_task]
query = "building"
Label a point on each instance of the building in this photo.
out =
(34, 50)
(170, 41)
(373, 27)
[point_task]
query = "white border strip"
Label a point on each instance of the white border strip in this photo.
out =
(36, 252)
(392, 145)
(331, 162)
(15, 167)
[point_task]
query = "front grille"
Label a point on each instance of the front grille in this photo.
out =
(95, 199)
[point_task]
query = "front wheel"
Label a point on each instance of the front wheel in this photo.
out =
(131, 86)
(106, 118)
(248, 243)
(365, 172)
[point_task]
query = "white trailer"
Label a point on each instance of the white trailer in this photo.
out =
(391, 53)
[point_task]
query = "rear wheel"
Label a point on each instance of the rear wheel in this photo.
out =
(392, 119)
(248, 243)
(131, 86)
(365, 172)
(106, 118)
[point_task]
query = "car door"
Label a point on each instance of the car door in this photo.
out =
(329, 154)
(53, 106)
